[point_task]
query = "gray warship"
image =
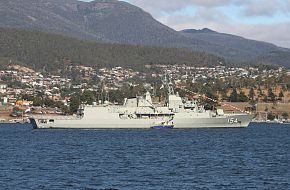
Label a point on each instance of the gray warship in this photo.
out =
(140, 112)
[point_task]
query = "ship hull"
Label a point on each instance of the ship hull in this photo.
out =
(113, 118)
(231, 121)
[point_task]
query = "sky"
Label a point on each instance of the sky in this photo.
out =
(264, 20)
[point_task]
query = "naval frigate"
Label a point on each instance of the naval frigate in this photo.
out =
(140, 112)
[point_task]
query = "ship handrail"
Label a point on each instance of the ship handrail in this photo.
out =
(56, 117)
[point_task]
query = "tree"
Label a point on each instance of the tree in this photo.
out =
(285, 115)
(271, 95)
(65, 109)
(242, 97)
(27, 97)
(251, 94)
(58, 104)
(265, 99)
(224, 96)
(37, 101)
(48, 102)
(281, 95)
(88, 97)
(234, 96)
(116, 96)
(209, 93)
(271, 116)
(74, 103)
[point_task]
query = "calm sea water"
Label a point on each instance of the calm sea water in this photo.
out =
(254, 158)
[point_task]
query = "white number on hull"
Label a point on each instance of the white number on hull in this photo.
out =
(233, 120)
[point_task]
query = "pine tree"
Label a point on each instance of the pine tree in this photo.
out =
(234, 95)
(281, 95)
(271, 95)
(251, 94)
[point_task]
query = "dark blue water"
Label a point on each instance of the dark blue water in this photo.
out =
(254, 158)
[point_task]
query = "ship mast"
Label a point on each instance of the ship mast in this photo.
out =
(167, 83)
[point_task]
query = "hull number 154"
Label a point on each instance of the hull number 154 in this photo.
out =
(233, 120)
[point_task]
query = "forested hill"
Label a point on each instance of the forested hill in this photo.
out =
(120, 22)
(41, 50)
(231, 43)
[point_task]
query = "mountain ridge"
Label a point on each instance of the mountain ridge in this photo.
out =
(113, 21)
(204, 30)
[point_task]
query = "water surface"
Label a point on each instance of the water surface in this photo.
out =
(253, 158)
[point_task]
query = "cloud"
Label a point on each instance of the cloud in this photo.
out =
(158, 6)
(276, 33)
(251, 7)
(264, 7)
(265, 20)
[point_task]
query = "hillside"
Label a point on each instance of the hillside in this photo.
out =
(50, 52)
(235, 46)
(102, 20)
(120, 22)
(276, 57)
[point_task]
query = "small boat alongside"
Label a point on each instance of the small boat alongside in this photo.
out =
(163, 125)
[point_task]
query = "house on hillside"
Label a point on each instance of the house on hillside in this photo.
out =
(3, 88)
(23, 103)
